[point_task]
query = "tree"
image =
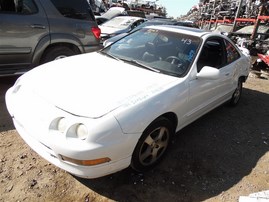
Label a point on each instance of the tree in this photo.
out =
(164, 12)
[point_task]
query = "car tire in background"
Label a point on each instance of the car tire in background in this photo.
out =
(57, 52)
(152, 145)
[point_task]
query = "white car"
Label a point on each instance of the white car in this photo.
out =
(98, 113)
(119, 25)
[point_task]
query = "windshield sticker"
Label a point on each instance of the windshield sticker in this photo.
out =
(186, 41)
(152, 31)
(190, 56)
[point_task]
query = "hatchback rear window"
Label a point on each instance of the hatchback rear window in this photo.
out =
(77, 9)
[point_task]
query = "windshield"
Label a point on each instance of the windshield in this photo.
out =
(166, 52)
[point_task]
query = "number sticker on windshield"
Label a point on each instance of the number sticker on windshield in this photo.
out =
(186, 41)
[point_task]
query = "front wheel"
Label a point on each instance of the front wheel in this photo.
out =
(237, 93)
(152, 145)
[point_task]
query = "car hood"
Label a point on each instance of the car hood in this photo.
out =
(92, 85)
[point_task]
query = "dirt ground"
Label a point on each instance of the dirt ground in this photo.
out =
(220, 157)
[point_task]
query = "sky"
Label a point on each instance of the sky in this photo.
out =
(175, 8)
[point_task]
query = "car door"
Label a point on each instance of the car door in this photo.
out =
(206, 94)
(23, 24)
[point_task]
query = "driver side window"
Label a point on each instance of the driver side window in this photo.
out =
(211, 54)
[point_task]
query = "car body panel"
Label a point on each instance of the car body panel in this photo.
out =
(117, 100)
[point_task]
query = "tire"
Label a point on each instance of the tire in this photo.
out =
(237, 93)
(55, 53)
(152, 145)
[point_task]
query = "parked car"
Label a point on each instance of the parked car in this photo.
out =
(33, 32)
(100, 20)
(118, 25)
(117, 11)
(124, 111)
(262, 31)
(111, 13)
(258, 44)
(187, 24)
(156, 21)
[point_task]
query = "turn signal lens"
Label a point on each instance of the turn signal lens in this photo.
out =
(86, 162)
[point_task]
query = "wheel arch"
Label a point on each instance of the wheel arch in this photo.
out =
(139, 164)
(60, 38)
(62, 44)
(172, 117)
(39, 50)
(48, 42)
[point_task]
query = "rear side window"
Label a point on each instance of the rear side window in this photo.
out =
(76, 9)
(232, 53)
(18, 6)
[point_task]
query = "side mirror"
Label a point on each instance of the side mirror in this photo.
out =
(208, 73)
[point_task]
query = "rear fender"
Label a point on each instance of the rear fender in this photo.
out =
(48, 40)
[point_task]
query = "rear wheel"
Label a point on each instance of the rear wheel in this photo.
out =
(152, 145)
(55, 53)
(237, 93)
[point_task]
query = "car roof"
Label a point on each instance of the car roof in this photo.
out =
(181, 29)
(157, 22)
(129, 17)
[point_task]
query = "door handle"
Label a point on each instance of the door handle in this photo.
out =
(227, 74)
(37, 26)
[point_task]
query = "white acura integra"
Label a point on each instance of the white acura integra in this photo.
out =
(98, 113)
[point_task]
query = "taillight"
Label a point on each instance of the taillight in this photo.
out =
(96, 32)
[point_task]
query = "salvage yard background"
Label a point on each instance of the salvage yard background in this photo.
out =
(220, 157)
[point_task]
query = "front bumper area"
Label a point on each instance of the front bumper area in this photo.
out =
(45, 151)
(31, 117)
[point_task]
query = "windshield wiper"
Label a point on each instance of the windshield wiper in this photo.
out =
(131, 61)
(112, 56)
(141, 65)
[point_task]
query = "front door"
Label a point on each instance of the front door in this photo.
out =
(206, 94)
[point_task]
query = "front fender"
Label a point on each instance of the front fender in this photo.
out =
(136, 116)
